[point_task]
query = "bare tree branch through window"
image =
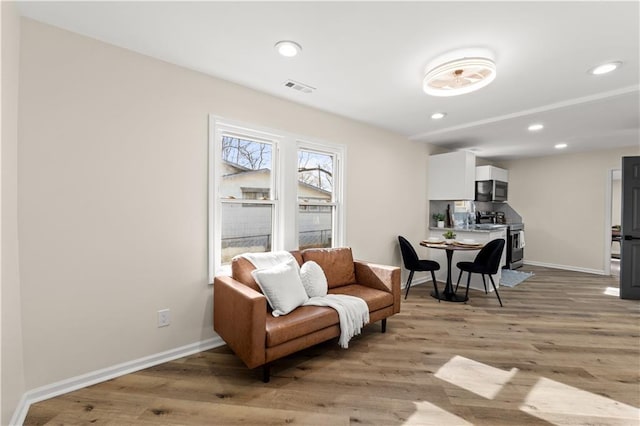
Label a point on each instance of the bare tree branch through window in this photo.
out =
(246, 153)
(316, 169)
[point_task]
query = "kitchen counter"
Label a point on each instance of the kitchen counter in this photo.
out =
(485, 228)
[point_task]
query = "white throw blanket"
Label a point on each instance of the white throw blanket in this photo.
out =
(268, 259)
(353, 313)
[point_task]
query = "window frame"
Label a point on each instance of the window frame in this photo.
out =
(337, 197)
(218, 129)
(284, 181)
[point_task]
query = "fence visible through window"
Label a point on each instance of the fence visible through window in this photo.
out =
(320, 238)
(231, 246)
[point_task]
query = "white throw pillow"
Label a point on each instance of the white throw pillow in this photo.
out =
(313, 279)
(281, 286)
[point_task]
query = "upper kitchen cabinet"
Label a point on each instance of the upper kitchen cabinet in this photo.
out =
(491, 184)
(452, 176)
(492, 173)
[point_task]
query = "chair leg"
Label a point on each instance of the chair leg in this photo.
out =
(384, 325)
(266, 372)
(458, 283)
(484, 283)
(435, 286)
(466, 293)
(409, 283)
(495, 289)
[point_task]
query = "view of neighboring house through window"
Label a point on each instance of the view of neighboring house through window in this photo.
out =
(245, 195)
(271, 191)
(316, 204)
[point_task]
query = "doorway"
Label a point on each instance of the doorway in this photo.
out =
(612, 223)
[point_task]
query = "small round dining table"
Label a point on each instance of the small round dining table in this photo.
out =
(448, 295)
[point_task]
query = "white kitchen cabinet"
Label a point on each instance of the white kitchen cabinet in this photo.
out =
(452, 176)
(492, 173)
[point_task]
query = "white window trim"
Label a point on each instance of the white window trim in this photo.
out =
(339, 220)
(285, 192)
(217, 128)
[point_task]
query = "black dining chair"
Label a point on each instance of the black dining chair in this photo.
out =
(487, 262)
(413, 263)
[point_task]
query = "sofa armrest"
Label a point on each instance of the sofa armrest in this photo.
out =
(381, 277)
(240, 318)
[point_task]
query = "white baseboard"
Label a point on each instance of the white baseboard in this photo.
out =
(527, 262)
(565, 267)
(98, 376)
(418, 281)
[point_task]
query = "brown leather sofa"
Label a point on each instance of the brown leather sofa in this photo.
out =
(242, 317)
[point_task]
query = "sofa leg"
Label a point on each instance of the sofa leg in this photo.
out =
(384, 325)
(266, 373)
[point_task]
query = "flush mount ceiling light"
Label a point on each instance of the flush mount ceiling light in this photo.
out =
(288, 48)
(459, 76)
(560, 146)
(438, 115)
(605, 68)
(535, 127)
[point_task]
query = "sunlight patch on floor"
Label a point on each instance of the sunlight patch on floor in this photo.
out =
(612, 291)
(558, 403)
(429, 414)
(474, 376)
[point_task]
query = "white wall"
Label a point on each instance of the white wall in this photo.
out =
(113, 197)
(12, 368)
(562, 202)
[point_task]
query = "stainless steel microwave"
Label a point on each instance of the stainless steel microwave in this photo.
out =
(491, 190)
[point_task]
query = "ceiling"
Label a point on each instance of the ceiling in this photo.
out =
(367, 61)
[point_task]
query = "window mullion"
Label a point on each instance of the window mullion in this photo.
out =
(288, 194)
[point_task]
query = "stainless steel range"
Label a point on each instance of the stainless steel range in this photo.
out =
(515, 245)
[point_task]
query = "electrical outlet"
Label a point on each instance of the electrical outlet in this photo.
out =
(164, 317)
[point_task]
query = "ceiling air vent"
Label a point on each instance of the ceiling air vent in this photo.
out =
(300, 87)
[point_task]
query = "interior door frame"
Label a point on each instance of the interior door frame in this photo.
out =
(608, 205)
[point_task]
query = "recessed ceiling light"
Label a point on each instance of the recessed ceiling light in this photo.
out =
(560, 146)
(438, 115)
(459, 76)
(288, 48)
(535, 127)
(605, 68)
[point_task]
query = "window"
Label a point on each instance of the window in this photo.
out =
(246, 211)
(270, 191)
(316, 204)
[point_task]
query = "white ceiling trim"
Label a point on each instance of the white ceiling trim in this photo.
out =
(538, 110)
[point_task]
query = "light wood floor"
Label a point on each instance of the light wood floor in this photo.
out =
(559, 352)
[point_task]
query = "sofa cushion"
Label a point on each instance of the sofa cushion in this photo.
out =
(302, 321)
(281, 286)
(313, 279)
(308, 319)
(376, 299)
(337, 264)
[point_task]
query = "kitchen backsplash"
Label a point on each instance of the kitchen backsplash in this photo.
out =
(461, 210)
